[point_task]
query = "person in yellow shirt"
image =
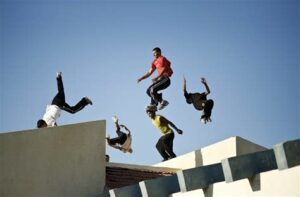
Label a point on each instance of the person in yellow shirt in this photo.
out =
(165, 142)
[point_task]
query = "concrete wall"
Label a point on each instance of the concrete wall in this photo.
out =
(213, 154)
(272, 183)
(59, 161)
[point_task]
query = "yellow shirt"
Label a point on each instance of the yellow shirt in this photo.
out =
(163, 127)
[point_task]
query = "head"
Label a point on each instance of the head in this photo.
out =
(41, 123)
(156, 52)
(151, 112)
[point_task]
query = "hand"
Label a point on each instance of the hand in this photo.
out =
(154, 80)
(203, 80)
(179, 131)
(139, 80)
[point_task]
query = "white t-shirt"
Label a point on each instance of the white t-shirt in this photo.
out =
(127, 144)
(52, 113)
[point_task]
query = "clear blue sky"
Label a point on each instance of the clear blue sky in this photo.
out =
(247, 50)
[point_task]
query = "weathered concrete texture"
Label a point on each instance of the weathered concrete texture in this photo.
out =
(287, 154)
(214, 153)
(200, 177)
(58, 161)
(246, 166)
(128, 191)
(279, 183)
(160, 187)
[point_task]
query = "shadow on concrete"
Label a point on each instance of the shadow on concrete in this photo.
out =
(198, 158)
(255, 182)
(208, 191)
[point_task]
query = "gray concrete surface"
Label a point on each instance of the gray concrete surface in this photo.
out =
(246, 166)
(287, 154)
(160, 187)
(200, 177)
(58, 161)
(128, 191)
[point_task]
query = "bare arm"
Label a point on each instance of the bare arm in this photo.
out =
(203, 81)
(184, 84)
(163, 119)
(123, 126)
(145, 76)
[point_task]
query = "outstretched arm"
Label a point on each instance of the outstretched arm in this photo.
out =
(203, 81)
(145, 76)
(123, 126)
(184, 85)
(163, 119)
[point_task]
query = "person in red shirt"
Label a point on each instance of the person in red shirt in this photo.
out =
(161, 81)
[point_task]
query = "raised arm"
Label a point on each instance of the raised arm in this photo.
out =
(163, 119)
(184, 85)
(123, 126)
(203, 81)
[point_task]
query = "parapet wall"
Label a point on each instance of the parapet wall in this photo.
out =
(212, 154)
(59, 161)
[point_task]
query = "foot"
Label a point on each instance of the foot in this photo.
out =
(163, 104)
(115, 119)
(89, 101)
(58, 75)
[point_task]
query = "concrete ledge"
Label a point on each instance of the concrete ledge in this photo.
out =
(201, 177)
(287, 154)
(56, 161)
(128, 191)
(246, 166)
(160, 187)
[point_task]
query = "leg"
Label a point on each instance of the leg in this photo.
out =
(168, 144)
(152, 102)
(73, 109)
(118, 140)
(59, 99)
(157, 86)
(161, 149)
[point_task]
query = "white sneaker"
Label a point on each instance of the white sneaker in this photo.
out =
(89, 101)
(115, 119)
(163, 104)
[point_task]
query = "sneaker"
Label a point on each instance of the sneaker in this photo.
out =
(115, 119)
(58, 75)
(163, 104)
(89, 101)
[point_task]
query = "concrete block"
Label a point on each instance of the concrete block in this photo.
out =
(56, 161)
(160, 187)
(287, 154)
(246, 166)
(201, 177)
(128, 191)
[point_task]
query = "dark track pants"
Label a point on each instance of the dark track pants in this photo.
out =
(165, 146)
(152, 91)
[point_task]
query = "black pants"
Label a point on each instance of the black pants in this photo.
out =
(152, 91)
(118, 140)
(60, 101)
(165, 146)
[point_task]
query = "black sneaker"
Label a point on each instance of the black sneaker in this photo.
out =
(89, 101)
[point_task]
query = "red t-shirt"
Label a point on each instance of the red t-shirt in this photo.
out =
(160, 63)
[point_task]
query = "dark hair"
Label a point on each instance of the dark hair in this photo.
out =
(150, 109)
(157, 49)
(40, 123)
